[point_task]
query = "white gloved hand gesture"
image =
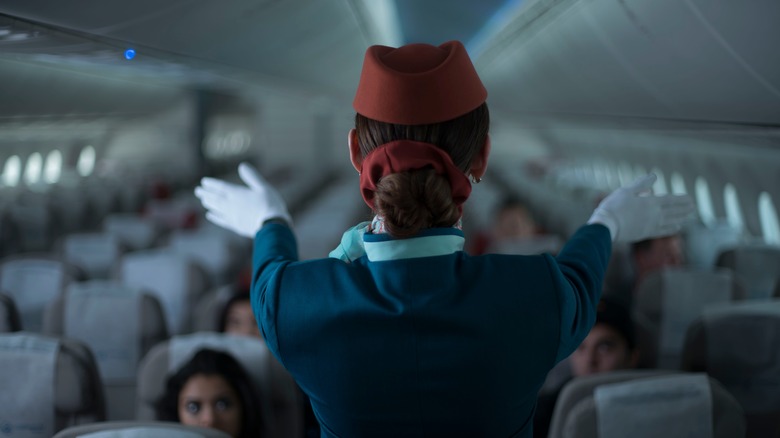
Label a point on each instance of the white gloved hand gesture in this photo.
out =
(242, 209)
(632, 213)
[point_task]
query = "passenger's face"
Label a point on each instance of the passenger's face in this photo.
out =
(207, 400)
(514, 222)
(240, 320)
(604, 349)
(664, 252)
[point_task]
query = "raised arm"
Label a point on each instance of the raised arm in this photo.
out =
(242, 209)
(628, 214)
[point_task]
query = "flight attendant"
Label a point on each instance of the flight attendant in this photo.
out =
(400, 333)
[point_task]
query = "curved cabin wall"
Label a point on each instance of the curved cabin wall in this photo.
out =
(666, 59)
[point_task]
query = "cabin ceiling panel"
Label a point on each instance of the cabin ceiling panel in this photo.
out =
(315, 43)
(748, 31)
(664, 59)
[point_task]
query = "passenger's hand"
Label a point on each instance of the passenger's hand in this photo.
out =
(633, 213)
(242, 209)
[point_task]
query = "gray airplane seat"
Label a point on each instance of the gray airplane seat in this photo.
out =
(646, 404)
(139, 429)
(208, 310)
(180, 212)
(241, 244)
(557, 376)
(9, 316)
(97, 254)
(119, 324)
(133, 231)
(278, 393)
(47, 384)
(668, 301)
(174, 280)
(756, 266)
(33, 281)
(739, 344)
(212, 251)
(704, 243)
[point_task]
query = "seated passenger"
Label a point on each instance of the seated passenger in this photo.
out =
(237, 317)
(610, 346)
(212, 390)
(512, 220)
(651, 255)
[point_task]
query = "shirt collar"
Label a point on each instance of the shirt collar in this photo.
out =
(357, 241)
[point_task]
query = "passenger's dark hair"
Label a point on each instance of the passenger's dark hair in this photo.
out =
(238, 295)
(641, 246)
(211, 362)
(414, 200)
(512, 201)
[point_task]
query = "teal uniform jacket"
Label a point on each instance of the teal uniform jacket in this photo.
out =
(416, 338)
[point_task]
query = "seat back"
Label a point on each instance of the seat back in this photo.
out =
(558, 376)
(174, 280)
(756, 266)
(139, 429)
(171, 214)
(282, 407)
(97, 254)
(133, 231)
(703, 244)
(32, 282)
(119, 339)
(9, 316)
(739, 345)
(209, 308)
(643, 406)
(668, 301)
(211, 250)
(47, 384)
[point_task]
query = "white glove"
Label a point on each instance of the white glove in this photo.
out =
(241, 209)
(632, 213)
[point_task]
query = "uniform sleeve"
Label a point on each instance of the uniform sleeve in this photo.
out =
(275, 247)
(579, 271)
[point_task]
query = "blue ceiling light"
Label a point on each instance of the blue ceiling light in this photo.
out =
(129, 54)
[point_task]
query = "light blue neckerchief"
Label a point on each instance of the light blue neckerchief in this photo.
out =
(351, 246)
(381, 247)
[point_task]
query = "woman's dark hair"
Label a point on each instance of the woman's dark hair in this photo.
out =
(413, 200)
(211, 363)
(238, 295)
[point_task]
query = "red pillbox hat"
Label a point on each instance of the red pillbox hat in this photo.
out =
(418, 84)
